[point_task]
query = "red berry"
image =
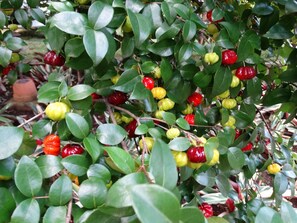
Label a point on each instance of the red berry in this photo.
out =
(95, 96)
(130, 128)
(209, 17)
(230, 205)
(206, 210)
(117, 98)
(229, 57)
(54, 59)
(7, 69)
(195, 99)
(248, 147)
(237, 133)
(190, 118)
(39, 142)
(148, 82)
(196, 154)
(245, 73)
(71, 149)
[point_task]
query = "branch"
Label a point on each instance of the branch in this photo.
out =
(31, 119)
(69, 211)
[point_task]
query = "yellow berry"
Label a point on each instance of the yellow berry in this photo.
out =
(188, 110)
(215, 158)
(235, 81)
(172, 133)
(56, 111)
(158, 92)
(165, 104)
(149, 141)
(115, 78)
(225, 94)
(211, 58)
(231, 122)
(181, 158)
(229, 103)
(157, 72)
(273, 168)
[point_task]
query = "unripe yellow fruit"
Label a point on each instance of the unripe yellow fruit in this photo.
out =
(127, 27)
(172, 133)
(157, 72)
(159, 114)
(12, 27)
(117, 117)
(225, 94)
(188, 110)
(56, 111)
(126, 119)
(211, 58)
(165, 104)
(235, 81)
(231, 122)
(149, 141)
(194, 165)
(212, 29)
(215, 158)
(115, 78)
(181, 158)
(229, 103)
(15, 57)
(158, 92)
(274, 168)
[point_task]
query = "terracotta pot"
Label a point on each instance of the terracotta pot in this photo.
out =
(24, 90)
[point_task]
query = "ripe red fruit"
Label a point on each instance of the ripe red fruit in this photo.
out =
(230, 205)
(51, 145)
(245, 73)
(209, 17)
(206, 209)
(71, 149)
(130, 128)
(7, 69)
(195, 99)
(229, 57)
(95, 96)
(53, 59)
(196, 154)
(237, 133)
(39, 142)
(248, 147)
(148, 82)
(190, 118)
(117, 98)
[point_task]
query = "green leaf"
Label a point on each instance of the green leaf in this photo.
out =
(242, 119)
(49, 92)
(141, 27)
(110, 134)
(169, 118)
(162, 165)
(122, 159)
(28, 211)
(279, 31)
(224, 40)
(61, 191)
(202, 80)
(185, 52)
(28, 177)
(96, 44)
(222, 81)
(76, 164)
(93, 216)
(56, 38)
(141, 129)
(276, 96)
(77, 125)
(262, 8)
(291, 7)
(15, 43)
(7, 204)
(280, 183)
(92, 193)
(7, 167)
(254, 89)
(2, 19)
(163, 48)
(99, 171)
(235, 158)
(207, 178)
(181, 122)
(223, 184)
(10, 140)
(189, 30)
(167, 32)
(55, 214)
(79, 92)
(93, 147)
(70, 22)
(74, 47)
(22, 18)
(161, 203)
(268, 215)
(33, 3)
(41, 128)
(190, 214)
(289, 75)
(127, 47)
(119, 194)
(287, 212)
(248, 42)
(5, 55)
(62, 6)
(153, 12)
(127, 81)
(166, 70)
(179, 144)
(140, 92)
(49, 165)
(216, 219)
(168, 11)
(100, 15)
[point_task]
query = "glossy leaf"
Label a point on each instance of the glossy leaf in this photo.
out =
(153, 11)
(190, 214)
(74, 47)
(266, 214)
(76, 164)
(49, 165)
(92, 193)
(94, 215)
(206, 178)
(110, 134)
(182, 123)
(262, 8)
(179, 144)
(96, 44)
(235, 158)
(279, 95)
(2, 19)
(28, 211)
(70, 22)
(216, 219)
(140, 92)
(242, 119)
(100, 15)
(223, 184)
(99, 171)
(162, 203)
(287, 212)
(77, 125)
(22, 17)
(280, 183)
(61, 191)
(189, 30)
(10, 140)
(7, 204)
(279, 31)
(41, 128)
(222, 81)
(162, 165)
(119, 194)
(121, 159)
(163, 48)
(141, 129)
(79, 92)
(28, 177)
(93, 147)
(49, 92)
(248, 42)
(127, 81)
(169, 118)
(62, 6)
(5, 55)
(55, 214)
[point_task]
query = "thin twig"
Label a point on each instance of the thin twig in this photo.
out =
(31, 119)
(69, 211)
